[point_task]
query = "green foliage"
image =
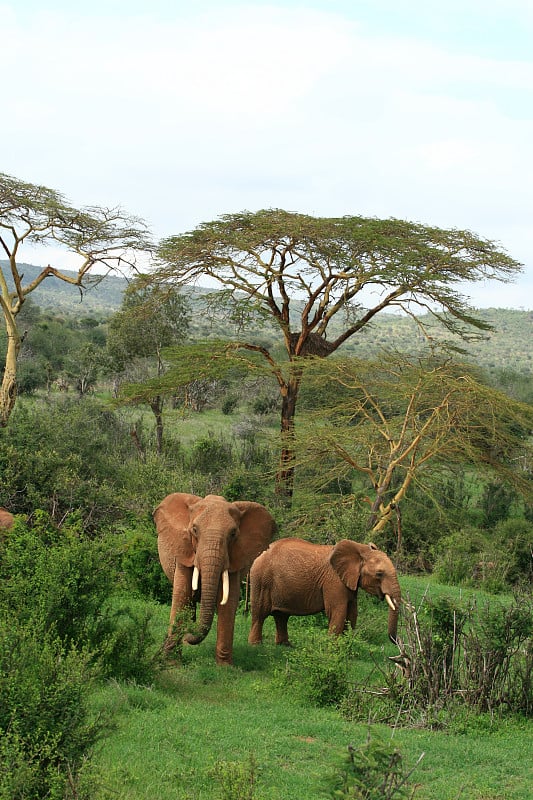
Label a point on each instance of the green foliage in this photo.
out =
(140, 564)
(496, 503)
(63, 584)
(46, 727)
(63, 457)
(211, 456)
(374, 771)
(457, 655)
(319, 670)
(229, 404)
(234, 780)
(494, 560)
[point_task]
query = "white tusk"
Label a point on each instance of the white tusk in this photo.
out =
(195, 576)
(390, 602)
(225, 587)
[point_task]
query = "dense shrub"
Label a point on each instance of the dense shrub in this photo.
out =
(46, 727)
(62, 625)
(65, 456)
(211, 456)
(141, 566)
(319, 670)
(495, 561)
(374, 771)
(64, 584)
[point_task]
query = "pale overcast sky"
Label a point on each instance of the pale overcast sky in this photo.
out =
(182, 111)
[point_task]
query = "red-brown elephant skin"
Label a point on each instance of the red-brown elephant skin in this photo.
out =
(296, 578)
(6, 519)
(206, 547)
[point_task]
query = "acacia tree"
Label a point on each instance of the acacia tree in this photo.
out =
(396, 420)
(306, 273)
(32, 214)
(148, 321)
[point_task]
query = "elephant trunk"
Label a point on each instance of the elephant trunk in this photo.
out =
(393, 601)
(209, 594)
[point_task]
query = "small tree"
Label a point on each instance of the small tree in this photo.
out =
(397, 419)
(148, 321)
(322, 280)
(31, 214)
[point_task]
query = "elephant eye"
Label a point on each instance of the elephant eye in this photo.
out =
(233, 533)
(194, 530)
(380, 573)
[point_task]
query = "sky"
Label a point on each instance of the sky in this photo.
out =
(180, 112)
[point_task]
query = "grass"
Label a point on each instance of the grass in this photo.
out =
(202, 731)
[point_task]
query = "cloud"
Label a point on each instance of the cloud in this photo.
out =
(182, 116)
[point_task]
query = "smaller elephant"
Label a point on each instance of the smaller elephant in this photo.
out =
(295, 577)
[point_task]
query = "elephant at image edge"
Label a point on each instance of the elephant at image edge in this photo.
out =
(295, 577)
(209, 544)
(6, 519)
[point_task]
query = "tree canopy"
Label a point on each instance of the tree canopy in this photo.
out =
(306, 273)
(33, 214)
(395, 420)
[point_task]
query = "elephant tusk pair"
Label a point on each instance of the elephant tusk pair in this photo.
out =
(390, 602)
(225, 584)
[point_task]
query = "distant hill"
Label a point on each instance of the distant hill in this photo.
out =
(509, 346)
(102, 296)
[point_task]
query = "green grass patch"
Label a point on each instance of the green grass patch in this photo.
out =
(251, 732)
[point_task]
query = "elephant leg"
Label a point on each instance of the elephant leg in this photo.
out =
(281, 620)
(351, 615)
(226, 621)
(181, 598)
(337, 615)
(256, 631)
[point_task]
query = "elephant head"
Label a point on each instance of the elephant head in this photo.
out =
(362, 565)
(206, 543)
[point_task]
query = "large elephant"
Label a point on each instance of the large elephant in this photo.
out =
(295, 577)
(206, 545)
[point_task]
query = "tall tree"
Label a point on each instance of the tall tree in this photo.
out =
(148, 321)
(305, 273)
(32, 214)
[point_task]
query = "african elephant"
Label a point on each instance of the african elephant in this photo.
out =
(295, 577)
(208, 544)
(6, 519)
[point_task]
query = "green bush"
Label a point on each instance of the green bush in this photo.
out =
(458, 555)
(320, 668)
(46, 727)
(64, 584)
(211, 456)
(374, 771)
(141, 567)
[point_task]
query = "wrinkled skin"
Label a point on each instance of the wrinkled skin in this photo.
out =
(210, 535)
(295, 577)
(6, 519)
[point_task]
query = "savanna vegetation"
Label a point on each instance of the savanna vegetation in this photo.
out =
(160, 388)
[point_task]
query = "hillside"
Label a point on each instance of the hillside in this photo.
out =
(510, 345)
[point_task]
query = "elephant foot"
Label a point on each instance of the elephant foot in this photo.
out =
(285, 643)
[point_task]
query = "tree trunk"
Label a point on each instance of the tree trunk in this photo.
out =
(285, 474)
(8, 389)
(157, 407)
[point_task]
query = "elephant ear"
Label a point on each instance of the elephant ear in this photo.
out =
(171, 519)
(256, 531)
(346, 560)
